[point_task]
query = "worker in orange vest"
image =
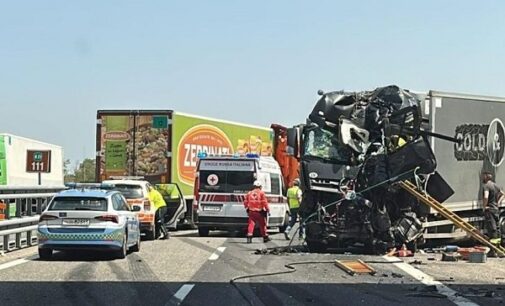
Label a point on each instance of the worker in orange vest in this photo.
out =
(256, 205)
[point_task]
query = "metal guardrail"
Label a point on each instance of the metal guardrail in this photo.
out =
(23, 206)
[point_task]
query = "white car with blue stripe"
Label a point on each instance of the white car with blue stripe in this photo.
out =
(88, 219)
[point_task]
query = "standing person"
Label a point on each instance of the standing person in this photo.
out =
(492, 196)
(257, 208)
(161, 210)
(294, 200)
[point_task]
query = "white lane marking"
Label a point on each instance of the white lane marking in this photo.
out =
(13, 263)
(426, 279)
(216, 254)
(181, 294)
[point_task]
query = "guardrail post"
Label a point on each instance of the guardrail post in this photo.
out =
(29, 238)
(18, 240)
(19, 206)
(6, 243)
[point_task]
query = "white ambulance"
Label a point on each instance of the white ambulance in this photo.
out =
(221, 185)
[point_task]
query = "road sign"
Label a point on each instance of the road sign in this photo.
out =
(160, 122)
(38, 161)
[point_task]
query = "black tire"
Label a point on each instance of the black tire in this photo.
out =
(203, 231)
(283, 227)
(150, 235)
(45, 254)
(317, 246)
(412, 246)
(121, 254)
(136, 247)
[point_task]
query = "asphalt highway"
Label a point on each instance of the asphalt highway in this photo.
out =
(192, 270)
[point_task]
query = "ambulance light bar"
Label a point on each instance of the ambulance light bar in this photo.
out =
(203, 155)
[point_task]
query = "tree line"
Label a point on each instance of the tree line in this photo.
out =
(82, 172)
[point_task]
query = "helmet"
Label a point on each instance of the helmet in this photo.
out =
(296, 182)
(257, 183)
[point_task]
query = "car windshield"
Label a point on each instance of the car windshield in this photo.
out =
(129, 191)
(322, 144)
(226, 181)
(79, 203)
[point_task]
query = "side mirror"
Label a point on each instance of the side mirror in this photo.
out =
(136, 208)
(293, 142)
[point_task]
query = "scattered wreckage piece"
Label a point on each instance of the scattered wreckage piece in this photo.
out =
(353, 267)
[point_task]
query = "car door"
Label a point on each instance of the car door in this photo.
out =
(176, 204)
(131, 219)
(125, 215)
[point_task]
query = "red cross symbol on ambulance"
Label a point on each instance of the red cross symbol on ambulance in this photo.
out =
(212, 179)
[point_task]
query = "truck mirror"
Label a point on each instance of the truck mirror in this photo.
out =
(293, 142)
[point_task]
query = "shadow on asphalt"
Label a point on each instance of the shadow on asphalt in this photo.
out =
(218, 294)
(220, 234)
(82, 255)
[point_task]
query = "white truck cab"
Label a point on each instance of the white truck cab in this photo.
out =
(221, 186)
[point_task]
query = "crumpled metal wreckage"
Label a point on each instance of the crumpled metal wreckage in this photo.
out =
(381, 136)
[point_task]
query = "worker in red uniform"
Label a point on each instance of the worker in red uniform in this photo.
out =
(256, 205)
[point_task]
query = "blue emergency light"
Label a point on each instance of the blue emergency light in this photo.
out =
(201, 155)
(252, 155)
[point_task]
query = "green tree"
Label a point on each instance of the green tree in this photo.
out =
(85, 171)
(68, 175)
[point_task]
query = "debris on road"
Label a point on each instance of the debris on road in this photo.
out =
(451, 256)
(281, 250)
(353, 267)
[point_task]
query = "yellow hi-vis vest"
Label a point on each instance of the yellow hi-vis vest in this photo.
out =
(293, 197)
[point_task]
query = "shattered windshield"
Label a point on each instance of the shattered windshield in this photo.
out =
(323, 144)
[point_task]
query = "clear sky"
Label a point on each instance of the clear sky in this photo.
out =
(256, 62)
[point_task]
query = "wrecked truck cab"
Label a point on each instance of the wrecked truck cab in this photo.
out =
(370, 140)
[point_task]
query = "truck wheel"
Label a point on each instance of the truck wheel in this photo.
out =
(203, 231)
(317, 246)
(45, 254)
(283, 227)
(412, 246)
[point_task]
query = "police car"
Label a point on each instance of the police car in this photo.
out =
(88, 219)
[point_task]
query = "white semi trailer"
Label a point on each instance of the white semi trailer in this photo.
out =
(28, 162)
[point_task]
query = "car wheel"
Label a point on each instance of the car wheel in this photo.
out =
(283, 227)
(203, 231)
(136, 247)
(124, 248)
(45, 254)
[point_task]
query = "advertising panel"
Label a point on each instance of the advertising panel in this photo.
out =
(134, 145)
(192, 135)
(3, 162)
(479, 127)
